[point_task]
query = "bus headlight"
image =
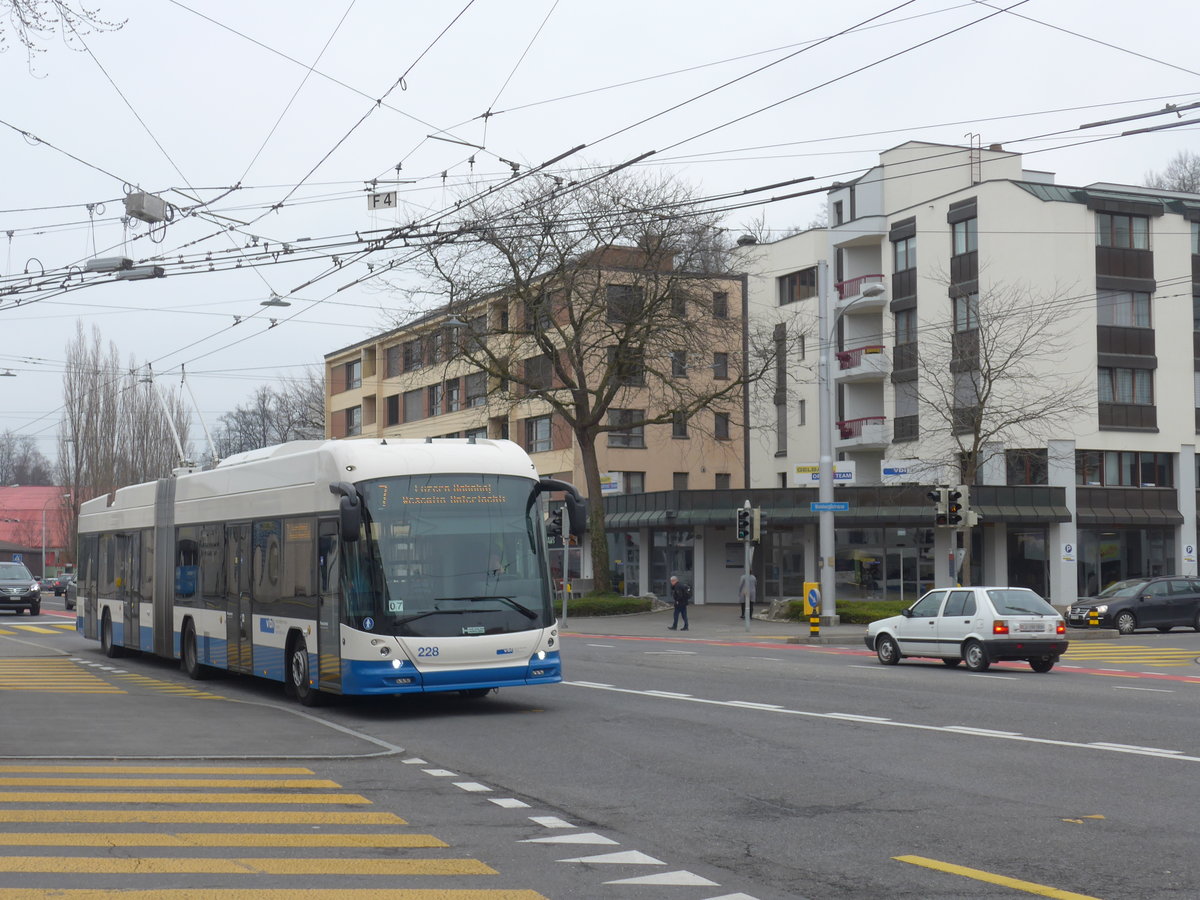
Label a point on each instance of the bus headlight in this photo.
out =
(396, 664)
(541, 654)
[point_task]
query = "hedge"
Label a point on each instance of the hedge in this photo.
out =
(604, 605)
(855, 612)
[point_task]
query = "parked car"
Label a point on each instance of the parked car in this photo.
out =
(71, 594)
(19, 589)
(59, 584)
(978, 625)
(1135, 603)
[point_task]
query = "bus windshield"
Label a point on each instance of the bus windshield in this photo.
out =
(448, 555)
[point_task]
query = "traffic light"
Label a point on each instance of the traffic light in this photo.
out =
(756, 524)
(554, 525)
(956, 505)
(941, 503)
(743, 524)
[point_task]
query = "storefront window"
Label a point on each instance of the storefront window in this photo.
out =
(1112, 554)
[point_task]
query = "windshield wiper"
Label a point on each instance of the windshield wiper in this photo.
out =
(523, 610)
(404, 620)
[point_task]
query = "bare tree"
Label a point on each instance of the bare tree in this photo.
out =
(990, 376)
(21, 462)
(114, 431)
(596, 292)
(1182, 173)
(293, 411)
(40, 20)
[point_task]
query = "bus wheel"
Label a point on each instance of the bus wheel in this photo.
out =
(110, 649)
(189, 658)
(298, 683)
(476, 693)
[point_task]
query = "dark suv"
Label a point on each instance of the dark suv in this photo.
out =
(18, 589)
(1160, 603)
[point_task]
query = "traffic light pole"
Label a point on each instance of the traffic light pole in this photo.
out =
(747, 551)
(825, 524)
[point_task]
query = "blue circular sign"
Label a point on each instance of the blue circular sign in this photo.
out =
(368, 623)
(814, 598)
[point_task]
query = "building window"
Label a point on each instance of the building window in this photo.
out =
(476, 389)
(1195, 238)
(781, 429)
(796, 286)
(437, 347)
(1127, 309)
(414, 405)
(392, 409)
(479, 434)
(354, 420)
(537, 311)
(1127, 232)
(1123, 468)
(721, 426)
(801, 413)
(537, 434)
(627, 365)
(354, 374)
(452, 396)
(391, 361)
(633, 482)
(966, 313)
(679, 425)
(1134, 386)
(904, 254)
(679, 363)
(412, 355)
(721, 366)
(626, 435)
(678, 305)
(779, 339)
(679, 481)
(720, 305)
(906, 326)
(539, 373)
(838, 212)
(964, 237)
(435, 399)
(1027, 466)
(625, 302)
(723, 481)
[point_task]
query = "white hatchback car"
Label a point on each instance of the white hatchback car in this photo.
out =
(978, 625)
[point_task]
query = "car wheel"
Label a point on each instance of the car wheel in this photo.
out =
(35, 608)
(887, 650)
(1126, 622)
(976, 657)
(1196, 624)
(1042, 665)
(951, 663)
(189, 659)
(110, 649)
(1165, 628)
(297, 675)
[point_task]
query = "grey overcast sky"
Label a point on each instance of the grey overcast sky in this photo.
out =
(301, 104)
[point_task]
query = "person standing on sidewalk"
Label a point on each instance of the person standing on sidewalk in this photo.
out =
(680, 595)
(747, 589)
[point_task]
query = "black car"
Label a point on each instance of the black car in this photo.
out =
(1135, 603)
(18, 589)
(59, 583)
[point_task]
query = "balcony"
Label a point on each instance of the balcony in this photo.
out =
(869, 363)
(864, 433)
(850, 292)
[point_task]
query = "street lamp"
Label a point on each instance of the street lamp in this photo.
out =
(44, 505)
(827, 322)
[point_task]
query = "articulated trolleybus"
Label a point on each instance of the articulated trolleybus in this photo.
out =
(339, 567)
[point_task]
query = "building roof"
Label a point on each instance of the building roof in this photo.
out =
(21, 510)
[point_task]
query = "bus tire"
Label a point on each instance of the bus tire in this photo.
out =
(111, 650)
(189, 659)
(299, 683)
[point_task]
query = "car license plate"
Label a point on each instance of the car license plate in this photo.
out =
(1031, 626)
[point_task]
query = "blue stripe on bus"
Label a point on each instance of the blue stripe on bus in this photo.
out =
(381, 677)
(147, 637)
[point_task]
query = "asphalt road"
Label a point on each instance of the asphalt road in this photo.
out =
(707, 765)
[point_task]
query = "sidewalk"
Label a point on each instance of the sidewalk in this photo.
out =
(721, 621)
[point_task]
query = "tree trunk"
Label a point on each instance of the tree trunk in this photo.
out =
(601, 567)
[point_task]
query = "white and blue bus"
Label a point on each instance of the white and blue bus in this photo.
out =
(336, 567)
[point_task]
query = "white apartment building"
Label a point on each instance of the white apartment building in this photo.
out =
(1100, 489)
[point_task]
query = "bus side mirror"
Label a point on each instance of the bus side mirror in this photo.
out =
(349, 511)
(576, 505)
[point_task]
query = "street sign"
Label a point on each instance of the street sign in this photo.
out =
(830, 506)
(384, 200)
(814, 598)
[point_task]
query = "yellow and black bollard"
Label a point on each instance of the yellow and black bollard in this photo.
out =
(814, 626)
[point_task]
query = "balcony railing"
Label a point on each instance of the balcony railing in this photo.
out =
(851, 359)
(853, 286)
(853, 428)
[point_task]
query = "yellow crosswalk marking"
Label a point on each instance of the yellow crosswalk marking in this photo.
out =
(212, 839)
(53, 674)
(36, 629)
(199, 817)
(162, 865)
(158, 770)
(1123, 652)
(275, 894)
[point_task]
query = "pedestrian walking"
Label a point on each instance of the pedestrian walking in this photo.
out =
(681, 595)
(747, 590)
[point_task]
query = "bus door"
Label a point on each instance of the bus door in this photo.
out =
(329, 658)
(238, 615)
(128, 584)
